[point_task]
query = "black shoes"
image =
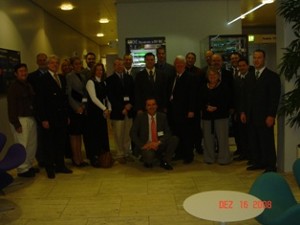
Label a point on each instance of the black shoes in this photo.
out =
(166, 165)
(256, 167)
(28, 173)
(50, 173)
(63, 170)
(148, 165)
(34, 169)
(240, 158)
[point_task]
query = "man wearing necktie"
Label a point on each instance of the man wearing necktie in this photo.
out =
(150, 82)
(52, 110)
(151, 134)
(34, 79)
(259, 107)
(181, 109)
(120, 91)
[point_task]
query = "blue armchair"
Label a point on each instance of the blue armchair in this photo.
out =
(296, 171)
(284, 209)
(14, 157)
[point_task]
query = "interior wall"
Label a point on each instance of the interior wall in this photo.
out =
(288, 137)
(28, 29)
(186, 25)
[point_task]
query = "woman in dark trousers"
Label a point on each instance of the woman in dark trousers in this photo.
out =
(215, 103)
(98, 109)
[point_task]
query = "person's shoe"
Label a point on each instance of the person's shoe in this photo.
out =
(83, 164)
(148, 165)
(240, 158)
(188, 161)
(237, 152)
(63, 170)
(50, 173)
(250, 162)
(199, 150)
(176, 158)
(256, 167)
(34, 169)
(166, 165)
(28, 173)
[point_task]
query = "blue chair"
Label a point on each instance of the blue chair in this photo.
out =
(296, 171)
(13, 158)
(284, 209)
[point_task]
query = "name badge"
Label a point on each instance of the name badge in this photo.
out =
(84, 100)
(126, 99)
(160, 133)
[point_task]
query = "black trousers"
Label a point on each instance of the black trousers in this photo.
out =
(54, 140)
(262, 145)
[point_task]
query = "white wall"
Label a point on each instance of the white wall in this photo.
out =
(288, 138)
(28, 29)
(185, 24)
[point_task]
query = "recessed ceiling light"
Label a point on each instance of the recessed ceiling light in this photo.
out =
(100, 35)
(66, 6)
(104, 20)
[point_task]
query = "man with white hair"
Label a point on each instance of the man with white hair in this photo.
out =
(181, 109)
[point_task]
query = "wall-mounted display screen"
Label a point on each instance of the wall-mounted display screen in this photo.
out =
(8, 60)
(138, 47)
(227, 44)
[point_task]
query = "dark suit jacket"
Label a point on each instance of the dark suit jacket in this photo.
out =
(261, 96)
(184, 93)
(34, 79)
(119, 94)
(144, 89)
(139, 132)
(167, 69)
(52, 101)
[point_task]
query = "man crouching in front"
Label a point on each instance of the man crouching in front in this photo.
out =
(151, 134)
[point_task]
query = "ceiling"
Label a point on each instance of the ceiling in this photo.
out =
(84, 17)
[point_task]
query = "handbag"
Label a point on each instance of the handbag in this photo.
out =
(106, 160)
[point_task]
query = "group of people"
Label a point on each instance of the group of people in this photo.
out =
(162, 111)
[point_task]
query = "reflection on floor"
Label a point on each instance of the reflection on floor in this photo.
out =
(123, 195)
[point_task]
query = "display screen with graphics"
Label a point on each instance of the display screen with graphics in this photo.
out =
(227, 44)
(138, 47)
(8, 60)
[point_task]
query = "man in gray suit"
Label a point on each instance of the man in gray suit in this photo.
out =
(152, 136)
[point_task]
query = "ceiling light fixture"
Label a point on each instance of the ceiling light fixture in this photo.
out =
(66, 6)
(104, 20)
(264, 2)
(100, 35)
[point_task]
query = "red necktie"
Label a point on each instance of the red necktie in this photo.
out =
(153, 130)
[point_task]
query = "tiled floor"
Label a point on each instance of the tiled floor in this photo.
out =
(123, 195)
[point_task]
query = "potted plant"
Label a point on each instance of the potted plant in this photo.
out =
(290, 64)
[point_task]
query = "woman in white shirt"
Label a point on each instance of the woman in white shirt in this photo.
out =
(98, 109)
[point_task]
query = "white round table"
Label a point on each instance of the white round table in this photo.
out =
(224, 206)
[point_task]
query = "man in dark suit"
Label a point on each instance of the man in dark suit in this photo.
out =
(151, 134)
(127, 58)
(200, 79)
(120, 90)
(259, 108)
(34, 79)
(167, 69)
(52, 111)
(150, 83)
(181, 109)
